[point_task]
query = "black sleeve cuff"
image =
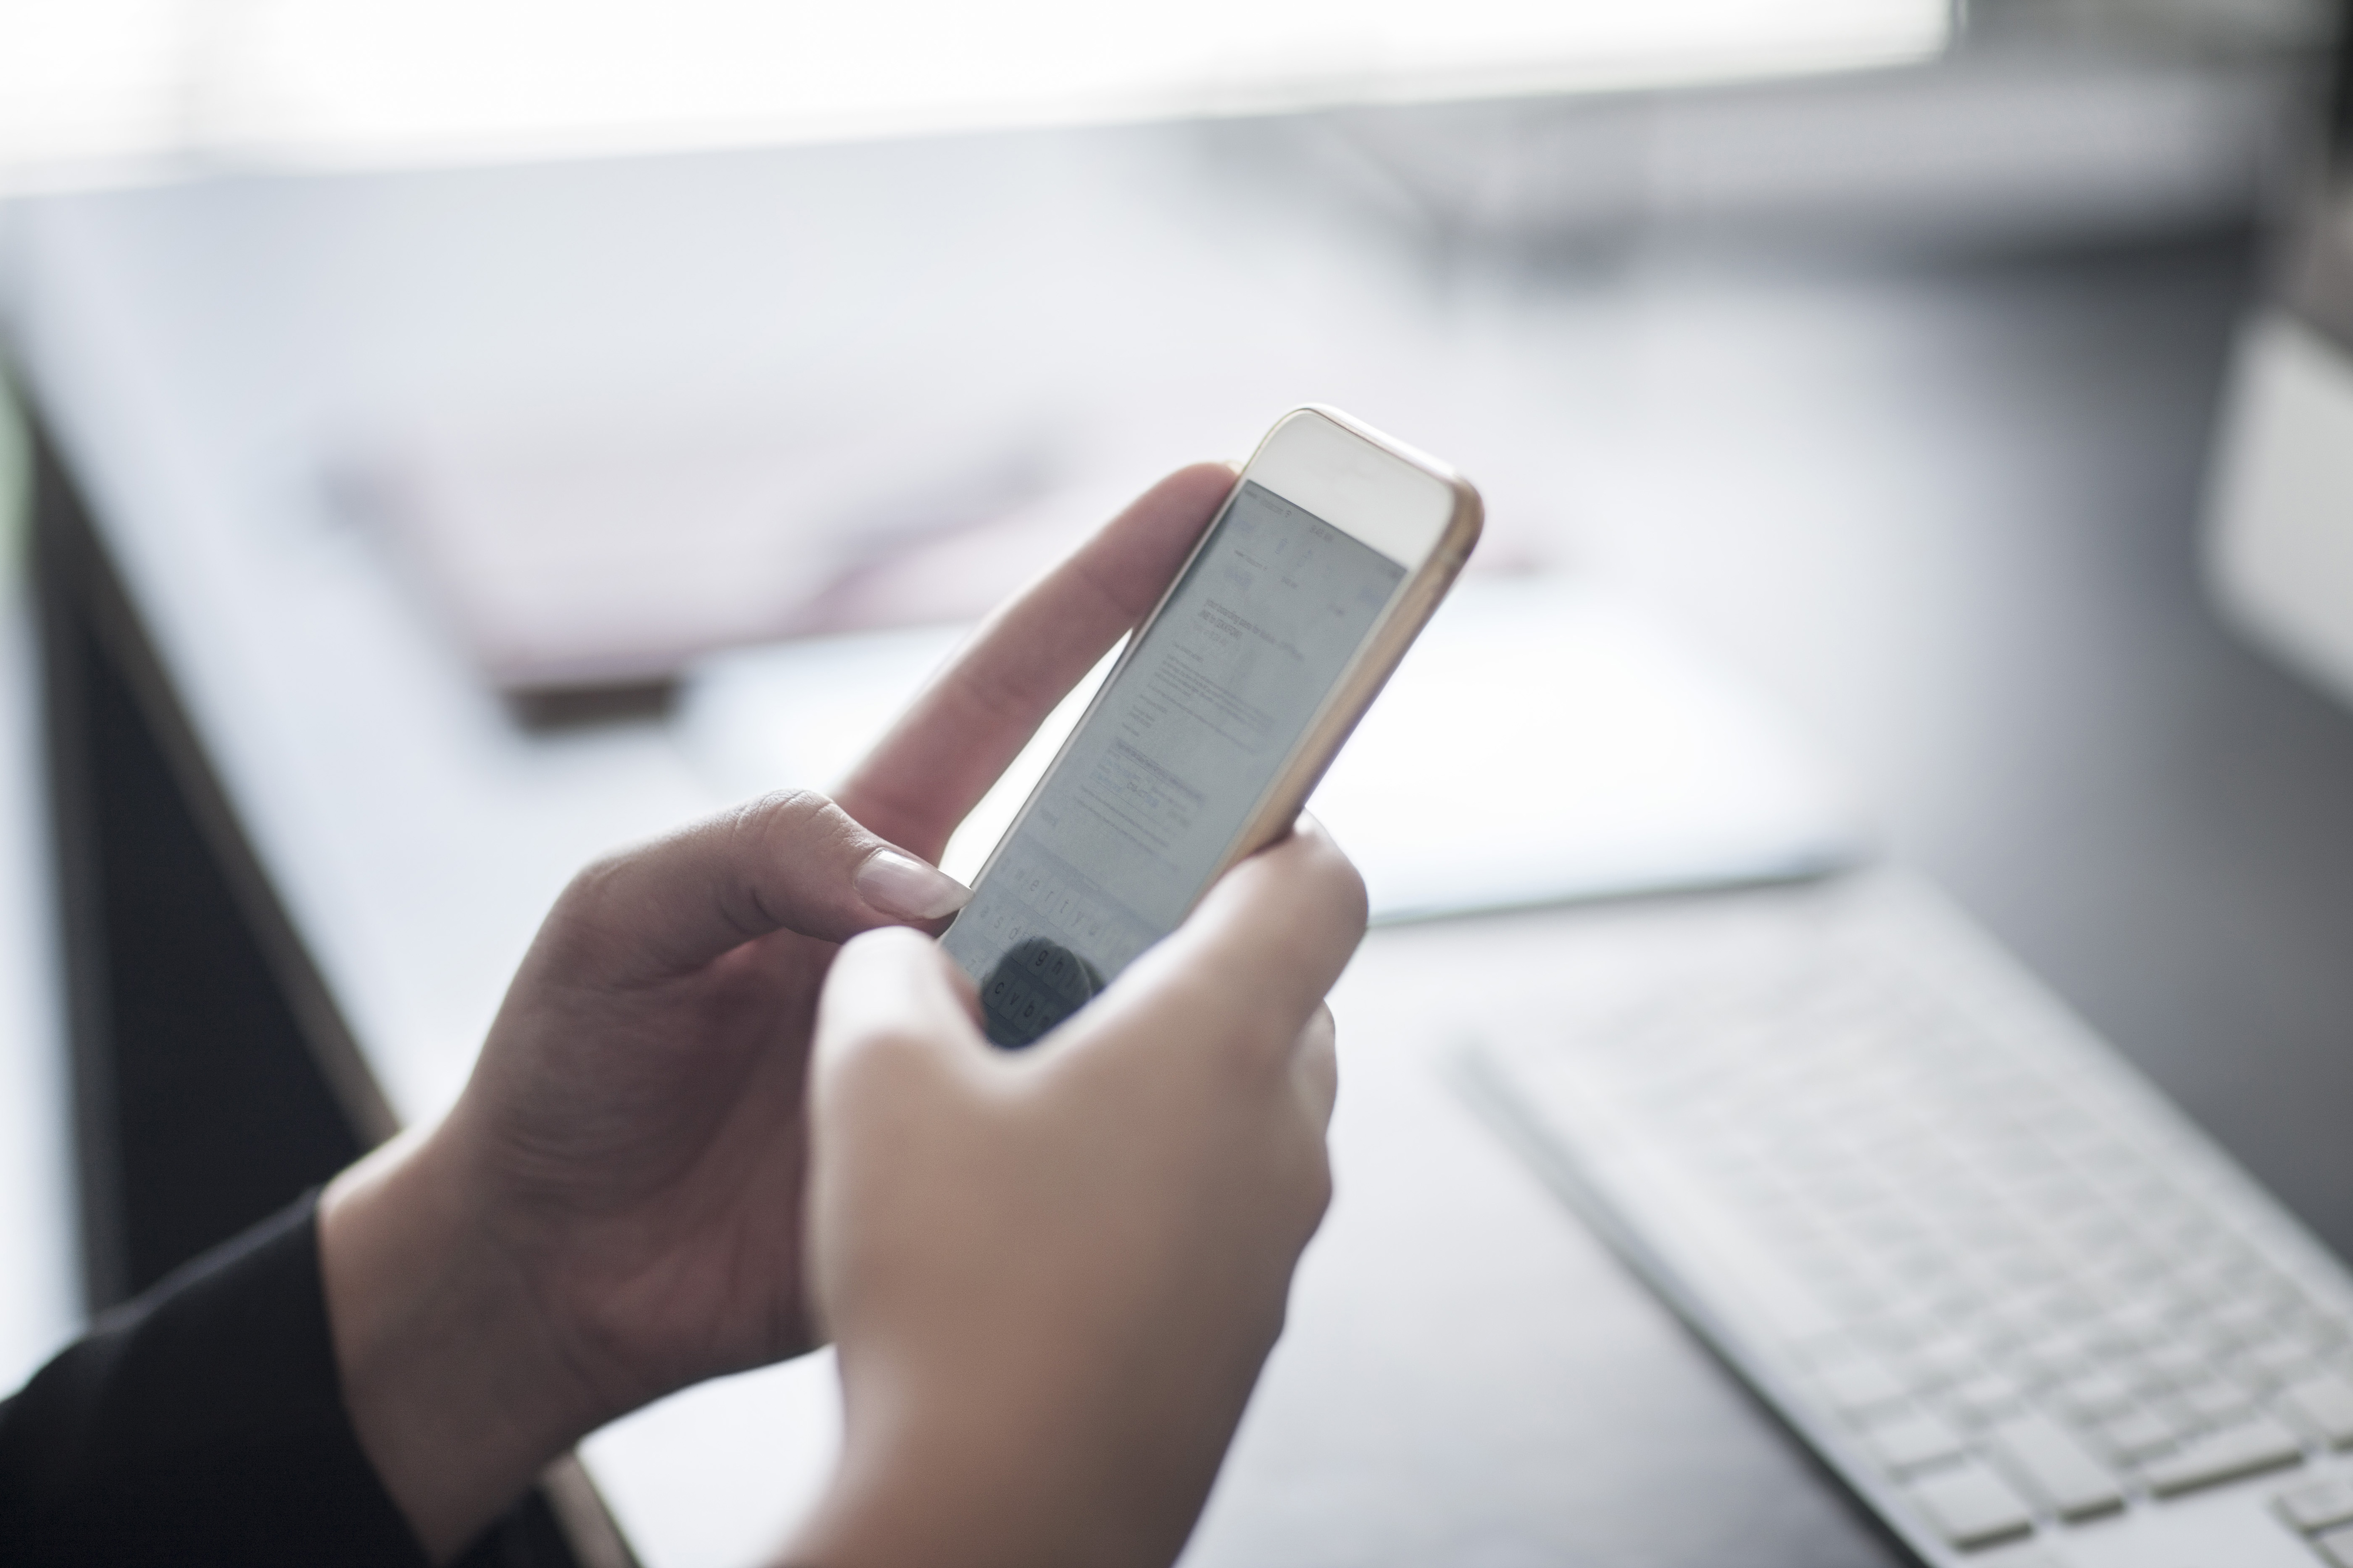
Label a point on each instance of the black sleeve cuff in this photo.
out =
(202, 1423)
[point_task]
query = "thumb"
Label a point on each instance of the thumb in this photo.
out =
(790, 861)
(893, 992)
(895, 1044)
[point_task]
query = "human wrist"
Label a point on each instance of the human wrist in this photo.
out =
(920, 1498)
(458, 1389)
(941, 1468)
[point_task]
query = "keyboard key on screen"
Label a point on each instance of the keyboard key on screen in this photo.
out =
(1971, 1506)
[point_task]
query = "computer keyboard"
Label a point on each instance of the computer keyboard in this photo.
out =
(2027, 1311)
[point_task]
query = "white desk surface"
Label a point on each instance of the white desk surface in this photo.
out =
(204, 355)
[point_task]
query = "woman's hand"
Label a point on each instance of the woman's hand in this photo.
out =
(613, 1209)
(1052, 1277)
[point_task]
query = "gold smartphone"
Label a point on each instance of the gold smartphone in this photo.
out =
(1325, 563)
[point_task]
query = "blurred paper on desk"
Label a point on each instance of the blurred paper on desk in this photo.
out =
(1543, 741)
(599, 554)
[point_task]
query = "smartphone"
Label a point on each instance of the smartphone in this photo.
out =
(1327, 558)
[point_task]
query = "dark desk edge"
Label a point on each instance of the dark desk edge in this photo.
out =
(80, 594)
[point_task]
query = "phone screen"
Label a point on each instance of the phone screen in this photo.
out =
(1135, 815)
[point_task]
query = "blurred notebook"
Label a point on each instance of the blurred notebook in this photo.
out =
(607, 554)
(1543, 741)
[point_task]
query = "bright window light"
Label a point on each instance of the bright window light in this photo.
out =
(91, 80)
(88, 82)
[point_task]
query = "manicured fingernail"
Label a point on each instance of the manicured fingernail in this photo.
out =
(904, 885)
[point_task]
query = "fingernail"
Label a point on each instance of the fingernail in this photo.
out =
(904, 885)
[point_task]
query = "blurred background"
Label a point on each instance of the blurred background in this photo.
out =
(1572, 120)
(517, 424)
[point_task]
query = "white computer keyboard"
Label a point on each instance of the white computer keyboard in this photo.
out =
(2028, 1311)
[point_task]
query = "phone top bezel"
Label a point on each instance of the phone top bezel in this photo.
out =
(1379, 492)
(1428, 575)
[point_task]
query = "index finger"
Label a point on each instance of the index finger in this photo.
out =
(974, 716)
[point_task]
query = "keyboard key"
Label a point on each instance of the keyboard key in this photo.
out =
(2259, 1444)
(2213, 1400)
(2138, 1435)
(2055, 1466)
(2246, 1320)
(1985, 1397)
(2138, 1266)
(2281, 1358)
(1912, 1442)
(1970, 1506)
(2316, 1507)
(1861, 1384)
(2322, 1404)
(1938, 1361)
(2093, 1396)
(1822, 1351)
(2143, 1376)
(2323, 1330)
(1893, 1335)
(2175, 1360)
(2335, 1548)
